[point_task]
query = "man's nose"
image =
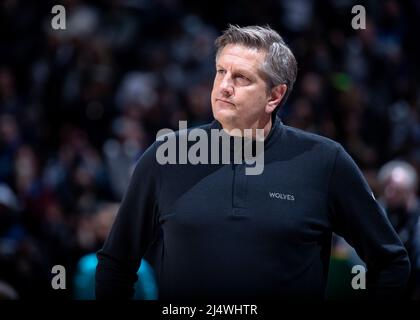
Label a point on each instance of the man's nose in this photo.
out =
(226, 85)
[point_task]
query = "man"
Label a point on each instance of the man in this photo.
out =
(224, 234)
(399, 181)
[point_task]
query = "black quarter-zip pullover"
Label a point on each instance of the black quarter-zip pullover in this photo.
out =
(227, 235)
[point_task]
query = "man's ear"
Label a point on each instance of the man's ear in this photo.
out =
(277, 94)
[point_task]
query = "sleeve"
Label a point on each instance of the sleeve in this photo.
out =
(362, 222)
(133, 231)
(416, 260)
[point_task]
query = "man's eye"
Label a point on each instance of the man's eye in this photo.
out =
(242, 79)
(221, 71)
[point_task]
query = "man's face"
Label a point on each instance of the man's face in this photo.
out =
(239, 96)
(397, 192)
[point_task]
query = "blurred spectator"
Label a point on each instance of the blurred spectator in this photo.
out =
(399, 183)
(92, 237)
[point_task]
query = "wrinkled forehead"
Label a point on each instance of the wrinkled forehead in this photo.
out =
(241, 50)
(240, 56)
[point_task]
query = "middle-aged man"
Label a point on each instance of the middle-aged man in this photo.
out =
(224, 234)
(399, 183)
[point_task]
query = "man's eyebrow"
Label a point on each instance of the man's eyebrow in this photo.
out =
(237, 70)
(244, 72)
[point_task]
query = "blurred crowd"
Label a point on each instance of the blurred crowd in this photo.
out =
(79, 106)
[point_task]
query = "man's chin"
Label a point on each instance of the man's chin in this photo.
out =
(225, 116)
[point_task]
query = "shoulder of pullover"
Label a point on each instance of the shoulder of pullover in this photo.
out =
(295, 135)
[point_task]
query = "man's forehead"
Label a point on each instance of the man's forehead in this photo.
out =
(241, 55)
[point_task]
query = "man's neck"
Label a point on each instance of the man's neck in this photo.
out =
(245, 132)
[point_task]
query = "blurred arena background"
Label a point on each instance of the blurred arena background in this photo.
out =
(79, 106)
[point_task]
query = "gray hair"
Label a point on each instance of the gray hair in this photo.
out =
(407, 172)
(279, 67)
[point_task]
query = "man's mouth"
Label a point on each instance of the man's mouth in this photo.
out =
(225, 101)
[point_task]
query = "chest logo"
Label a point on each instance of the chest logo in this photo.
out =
(282, 196)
